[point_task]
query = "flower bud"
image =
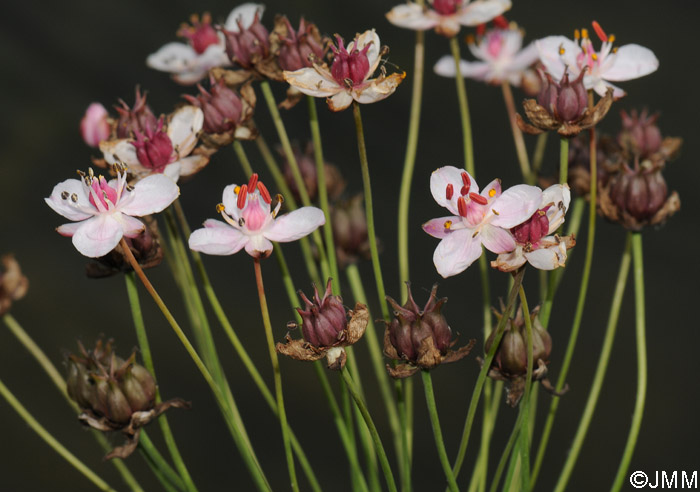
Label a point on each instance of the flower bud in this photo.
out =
(350, 230)
(533, 229)
(566, 101)
(249, 45)
(139, 118)
(640, 136)
(221, 106)
(349, 68)
(154, 150)
(638, 193)
(13, 285)
(324, 320)
(95, 126)
(298, 46)
(200, 34)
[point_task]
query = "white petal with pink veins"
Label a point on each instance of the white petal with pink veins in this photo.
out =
(97, 236)
(340, 101)
(553, 60)
(436, 227)
(122, 150)
(411, 16)
(515, 205)
(295, 225)
(439, 180)
(367, 37)
(630, 62)
(497, 240)
(456, 252)
(184, 125)
(150, 195)
(312, 83)
(245, 13)
(217, 238)
(131, 227)
(81, 209)
(481, 11)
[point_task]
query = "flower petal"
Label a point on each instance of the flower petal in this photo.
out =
(481, 11)
(558, 198)
(367, 37)
(172, 170)
(80, 209)
(379, 89)
(183, 128)
(515, 205)
(444, 176)
(295, 224)
(192, 164)
(509, 262)
(456, 252)
(546, 258)
(554, 61)
(411, 16)
(631, 61)
(69, 229)
(445, 67)
(246, 13)
(497, 240)
(150, 195)
(312, 82)
(173, 58)
(121, 150)
(258, 246)
(436, 227)
(340, 101)
(217, 238)
(131, 227)
(97, 236)
(230, 200)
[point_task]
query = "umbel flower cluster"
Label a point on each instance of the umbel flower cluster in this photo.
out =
(145, 159)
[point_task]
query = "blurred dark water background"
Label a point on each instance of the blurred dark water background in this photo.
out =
(57, 57)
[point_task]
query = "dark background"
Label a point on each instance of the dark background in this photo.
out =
(57, 57)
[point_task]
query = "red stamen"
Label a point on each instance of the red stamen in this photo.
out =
(599, 31)
(253, 182)
(242, 194)
(464, 191)
(500, 22)
(462, 206)
(478, 199)
(449, 191)
(264, 193)
(465, 179)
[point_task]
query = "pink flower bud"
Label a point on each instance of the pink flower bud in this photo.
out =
(566, 101)
(299, 45)
(94, 126)
(349, 68)
(200, 34)
(324, 320)
(446, 7)
(248, 45)
(154, 150)
(138, 118)
(221, 106)
(640, 135)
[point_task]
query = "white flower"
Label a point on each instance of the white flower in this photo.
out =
(609, 64)
(480, 218)
(189, 63)
(500, 58)
(446, 16)
(102, 211)
(251, 224)
(348, 78)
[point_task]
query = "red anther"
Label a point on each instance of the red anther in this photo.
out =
(242, 194)
(253, 182)
(599, 31)
(500, 22)
(449, 191)
(462, 206)
(264, 193)
(478, 198)
(480, 29)
(464, 190)
(465, 179)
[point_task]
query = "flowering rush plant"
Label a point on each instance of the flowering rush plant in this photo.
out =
(368, 336)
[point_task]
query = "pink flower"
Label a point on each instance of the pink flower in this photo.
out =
(189, 63)
(480, 218)
(500, 56)
(161, 150)
(533, 242)
(102, 211)
(251, 224)
(348, 78)
(95, 127)
(609, 64)
(446, 16)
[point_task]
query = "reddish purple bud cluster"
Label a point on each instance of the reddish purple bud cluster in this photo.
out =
(533, 229)
(154, 149)
(566, 101)
(138, 118)
(221, 106)
(200, 34)
(641, 193)
(247, 45)
(640, 133)
(446, 7)
(324, 320)
(298, 46)
(349, 68)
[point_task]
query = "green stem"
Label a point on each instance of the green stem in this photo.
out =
(379, 448)
(51, 441)
(563, 160)
(277, 375)
(520, 148)
(463, 108)
(234, 424)
(599, 376)
(168, 486)
(640, 325)
(525, 404)
(156, 460)
(435, 421)
(507, 450)
(478, 480)
(538, 154)
(142, 337)
(474, 403)
(242, 157)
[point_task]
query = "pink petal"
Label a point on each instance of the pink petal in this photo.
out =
(445, 67)
(295, 225)
(515, 205)
(436, 227)
(558, 198)
(78, 210)
(554, 62)
(69, 229)
(150, 195)
(497, 240)
(438, 185)
(131, 227)
(411, 16)
(494, 185)
(630, 62)
(456, 252)
(97, 236)
(481, 11)
(217, 238)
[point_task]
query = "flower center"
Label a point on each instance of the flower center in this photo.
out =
(350, 68)
(494, 43)
(446, 7)
(589, 57)
(533, 229)
(200, 34)
(154, 150)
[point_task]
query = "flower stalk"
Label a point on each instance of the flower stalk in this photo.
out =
(463, 108)
(520, 148)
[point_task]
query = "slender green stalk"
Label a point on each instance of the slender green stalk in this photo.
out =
(154, 458)
(142, 337)
(563, 160)
(507, 451)
(232, 422)
(525, 403)
(51, 441)
(296, 173)
(474, 403)
(463, 108)
(379, 448)
(169, 487)
(59, 382)
(242, 157)
(538, 154)
(435, 421)
(323, 191)
(640, 325)
(520, 148)
(599, 376)
(480, 473)
(277, 375)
